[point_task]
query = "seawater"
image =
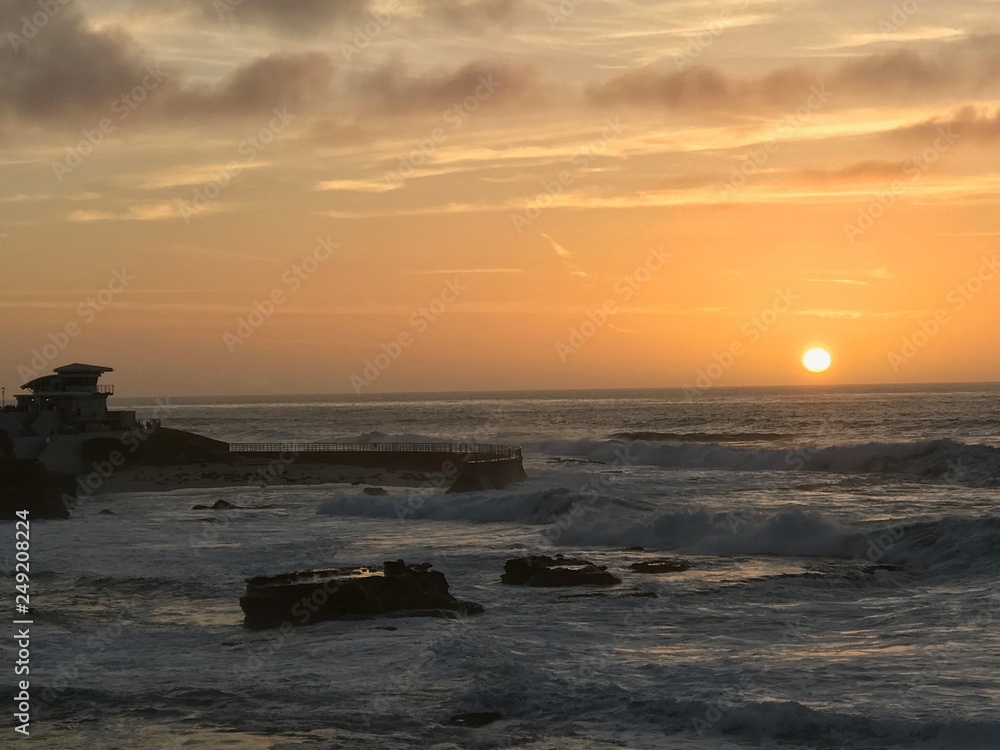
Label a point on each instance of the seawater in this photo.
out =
(845, 545)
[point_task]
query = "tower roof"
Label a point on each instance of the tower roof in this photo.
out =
(74, 369)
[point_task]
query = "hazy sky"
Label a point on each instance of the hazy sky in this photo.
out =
(314, 196)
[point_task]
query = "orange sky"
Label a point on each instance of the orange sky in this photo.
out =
(308, 196)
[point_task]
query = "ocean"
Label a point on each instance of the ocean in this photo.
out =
(844, 589)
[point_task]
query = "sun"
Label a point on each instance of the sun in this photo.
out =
(817, 360)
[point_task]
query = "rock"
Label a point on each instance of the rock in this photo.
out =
(475, 720)
(305, 597)
(669, 565)
(375, 491)
(544, 571)
(29, 486)
(218, 505)
(106, 512)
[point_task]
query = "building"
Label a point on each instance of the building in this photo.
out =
(68, 402)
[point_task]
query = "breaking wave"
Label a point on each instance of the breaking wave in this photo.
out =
(701, 437)
(492, 506)
(945, 459)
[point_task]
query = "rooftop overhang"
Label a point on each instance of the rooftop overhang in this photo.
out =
(34, 385)
(79, 369)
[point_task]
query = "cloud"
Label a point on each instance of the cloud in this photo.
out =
(868, 171)
(964, 66)
(391, 89)
(291, 80)
(472, 12)
(701, 88)
(301, 16)
(967, 123)
(65, 67)
(313, 17)
(71, 74)
(571, 266)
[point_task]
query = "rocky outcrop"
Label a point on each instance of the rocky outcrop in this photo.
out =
(668, 565)
(306, 597)
(544, 571)
(494, 474)
(27, 485)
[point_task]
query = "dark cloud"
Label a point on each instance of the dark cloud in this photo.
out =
(300, 16)
(64, 66)
(391, 89)
(316, 16)
(867, 171)
(291, 80)
(67, 73)
(962, 67)
(970, 123)
(700, 88)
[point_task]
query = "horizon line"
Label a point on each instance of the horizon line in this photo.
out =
(379, 394)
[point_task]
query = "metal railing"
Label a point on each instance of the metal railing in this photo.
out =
(481, 452)
(109, 389)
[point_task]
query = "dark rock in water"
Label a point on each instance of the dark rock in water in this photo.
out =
(106, 512)
(375, 491)
(635, 549)
(305, 597)
(218, 505)
(544, 571)
(474, 720)
(670, 565)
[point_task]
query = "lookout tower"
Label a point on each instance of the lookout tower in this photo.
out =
(73, 393)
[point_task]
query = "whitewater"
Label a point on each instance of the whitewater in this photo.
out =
(843, 591)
